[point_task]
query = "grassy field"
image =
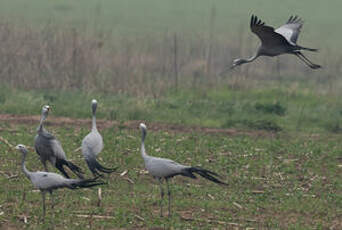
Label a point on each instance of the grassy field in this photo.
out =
(294, 107)
(275, 181)
(272, 128)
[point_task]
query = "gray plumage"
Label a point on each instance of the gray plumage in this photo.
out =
(92, 145)
(47, 182)
(276, 42)
(50, 149)
(163, 168)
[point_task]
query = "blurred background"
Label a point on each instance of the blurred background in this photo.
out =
(160, 60)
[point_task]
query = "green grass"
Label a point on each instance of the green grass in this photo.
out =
(270, 108)
(280, 182)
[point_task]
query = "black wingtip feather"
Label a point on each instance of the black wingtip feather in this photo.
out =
(254, 20)
(74, 168)
(209, 175)
(294, 19)
(77, 170)
(95, 166)
(87, 183)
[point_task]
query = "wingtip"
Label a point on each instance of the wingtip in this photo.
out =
(254, 20)
(295, 19)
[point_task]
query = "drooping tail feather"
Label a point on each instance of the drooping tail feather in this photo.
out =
(209, 175)
(74, 168)
(95, 166)
(86, 183)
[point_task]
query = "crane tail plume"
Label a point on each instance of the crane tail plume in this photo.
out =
(74, 168)
(209, 175)
(95, 165)
(87, 183)
(77, 170)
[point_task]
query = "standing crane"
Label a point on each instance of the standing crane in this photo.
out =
(92, 145)
(47, 182)
(276, 42)
(163, 168)
(50, 149)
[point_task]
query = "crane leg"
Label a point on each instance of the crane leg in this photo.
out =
(169, 195)
(306, 61)
(43, 198)
(314, 66)
(303, 60)
(45, 166)
(52, 200)
(162, 196)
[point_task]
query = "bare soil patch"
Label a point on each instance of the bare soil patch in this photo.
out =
(154, 126)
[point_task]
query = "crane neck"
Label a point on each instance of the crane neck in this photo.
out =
(42, 119)
(142, 149)
(252, 58)
(40, 127)
(93, 125)
(23, 167)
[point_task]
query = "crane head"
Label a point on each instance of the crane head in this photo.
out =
(142, 126)
(20, 146)
(237, 62)
(93, 105)
(45, 110)
(46, 107)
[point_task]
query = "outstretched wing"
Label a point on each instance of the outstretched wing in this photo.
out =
(267, 35)
(291, 29)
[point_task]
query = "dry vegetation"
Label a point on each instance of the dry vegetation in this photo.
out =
(56, 57)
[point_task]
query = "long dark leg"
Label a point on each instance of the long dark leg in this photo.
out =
(161, 195)
(45, 166)
(52, 200)
(313, 64)
(306, 60)
(43, 198)
(303, 60)
(169, 195)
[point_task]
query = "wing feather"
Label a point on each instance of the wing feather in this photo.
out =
(291, 29)
(266, 34)
(163, 167)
